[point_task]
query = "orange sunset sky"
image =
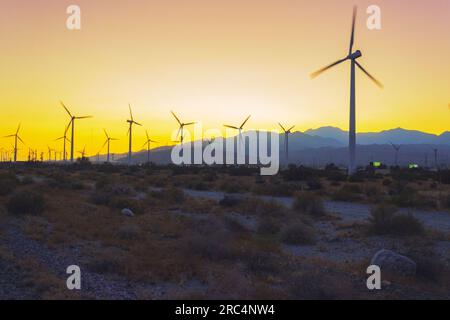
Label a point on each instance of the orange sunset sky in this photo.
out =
(217, 61)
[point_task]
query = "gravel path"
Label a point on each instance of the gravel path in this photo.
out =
(94, 285)
(348, 211)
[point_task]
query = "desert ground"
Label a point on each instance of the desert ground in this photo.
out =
(166, 232)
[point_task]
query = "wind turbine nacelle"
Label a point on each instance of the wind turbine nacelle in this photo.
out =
(355, 55)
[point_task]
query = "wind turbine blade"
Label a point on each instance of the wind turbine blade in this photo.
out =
(18, 128)
(131, 114)
(84, 117)
(318, 72)
(289, 130)
(104, 144)
(189, 123)
(153, 141)
(282, 127)
(145, 144)
(178, 133)
(146, 133)
(67, 110)
(137, 123)
(352, 37)
(243, 123)
(106, 134)
(59, 139)
(176, 118)
(67, 127)
(378, 83)
(21, 140)
(231, 127)
(11, 135)
(115, 139)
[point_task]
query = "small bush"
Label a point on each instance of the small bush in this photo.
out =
(174, 195)
(8, 183)
(298, 234)
(26, 202)
(268, 225)
(348, 192)
(308, 203)
(384, 219)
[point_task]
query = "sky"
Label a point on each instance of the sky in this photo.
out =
(217, 61)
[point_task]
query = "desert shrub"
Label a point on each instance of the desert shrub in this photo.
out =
(297, 234)
(128, 232)
(174, 195)
(261, 262)
(268, 225)
(385, 219)
(387, 182)
(261, 207)
(8, 183)
(231, 186)
(308, 203)
(314, 184)
(348, 192)
(409, 197)
(231, 200)
(26, 202)
(62, 180)
(211, 246)
(27, 180)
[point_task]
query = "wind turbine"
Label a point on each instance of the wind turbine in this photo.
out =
(130, 133)
(83, 153)
(72, 122)
(16, 138)
(286, 140)
(238, 128)
(148, 145)
(397, 149)
(64, 139)
(352, 56)
(182, 125)
(107, 142)
(49, 153)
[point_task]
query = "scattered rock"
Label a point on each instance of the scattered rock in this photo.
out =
(127, 212)
(231, 200)
(394, 263)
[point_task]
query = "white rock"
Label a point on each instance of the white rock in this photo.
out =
(127, 212)
(394, 263)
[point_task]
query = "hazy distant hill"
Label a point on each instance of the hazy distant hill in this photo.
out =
(329, 144)
(396, 136)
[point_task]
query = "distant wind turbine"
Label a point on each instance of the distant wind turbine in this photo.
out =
(286, 140)
(352, 56)
(130, 133)
(72, 122)
(182, 125)
(64, 139)
(238, 128)
(397, 149)
(16, 138)
(107, 142)
(83, 153)
(147, 143)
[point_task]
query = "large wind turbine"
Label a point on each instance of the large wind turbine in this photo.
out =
(64, 139)
(182, 125)
(352, 56)
(397, 149)
(107, 142)
(147, 143)
(239, 128)
(72, 122)
(286, 141)
(16, 138)
(130, 133)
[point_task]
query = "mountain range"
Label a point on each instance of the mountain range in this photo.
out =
(329, 144)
